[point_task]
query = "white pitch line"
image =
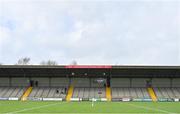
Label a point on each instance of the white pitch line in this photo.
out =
(28, 109)
(95, 113)
(153, 109)
(137, 106)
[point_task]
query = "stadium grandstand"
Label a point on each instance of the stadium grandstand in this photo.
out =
(89, 82)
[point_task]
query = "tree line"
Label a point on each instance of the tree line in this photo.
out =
(26, 61)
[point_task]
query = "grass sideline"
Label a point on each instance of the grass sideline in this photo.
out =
(11, 107)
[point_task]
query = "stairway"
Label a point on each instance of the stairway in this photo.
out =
(70, 93)
(152, 94)
(26, 93)
(108, 93)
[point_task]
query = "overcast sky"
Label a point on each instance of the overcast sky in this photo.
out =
(142, 32)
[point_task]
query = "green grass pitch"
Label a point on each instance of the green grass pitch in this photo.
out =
(12, 107)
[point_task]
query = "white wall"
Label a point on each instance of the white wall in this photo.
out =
(161, 82)
(42, 81)
(19, 82)
(80, 82)
(4, 81)
(94, 83)
(139, 82)
(59, 82)
(120, 82)
(176, 82)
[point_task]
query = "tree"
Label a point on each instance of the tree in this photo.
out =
(23, 61)
(49, 62)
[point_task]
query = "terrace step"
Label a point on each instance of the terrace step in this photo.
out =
(26, 93)
(152, 94)
(70, 93)
(108, 93)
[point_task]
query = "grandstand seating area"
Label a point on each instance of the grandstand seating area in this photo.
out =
(94, 92)
(48, 92)
(130, 93)
(6, 92)
(89, 88)
(89, 93)
(167, 92)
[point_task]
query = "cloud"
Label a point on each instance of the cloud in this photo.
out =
(91, 32)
